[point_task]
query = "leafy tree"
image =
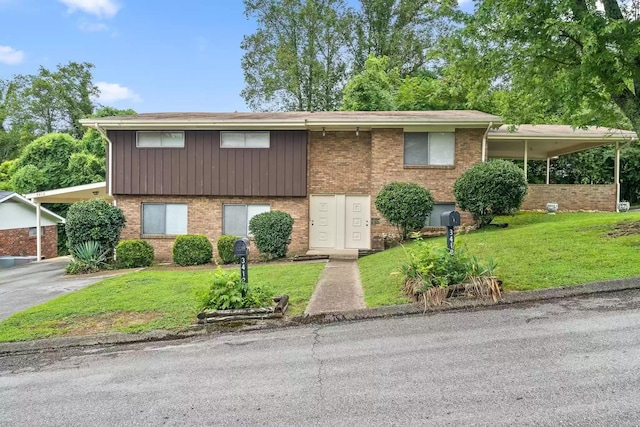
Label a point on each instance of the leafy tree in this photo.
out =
(490, 188)
(405, 31)
(295, 59)
(405, 205)
(92, 141)
(567, 58)
(374, 89)
(50, 101)
(85, 168)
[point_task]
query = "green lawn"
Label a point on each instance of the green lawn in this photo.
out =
(147, 300)
(535, 251)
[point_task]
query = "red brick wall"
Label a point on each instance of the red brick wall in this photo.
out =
(387, 162)
(571, 197)
(16, 242)
(204, 216)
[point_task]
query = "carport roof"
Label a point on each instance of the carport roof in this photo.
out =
(547, 141)
(97, 190)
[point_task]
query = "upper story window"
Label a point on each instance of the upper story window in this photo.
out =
(244, 139)
(160, 139)
(429, 148)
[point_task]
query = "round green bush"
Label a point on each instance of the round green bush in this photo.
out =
(134, 254)
(225, 249)
(405, 205)
(192, 249)
(95, 220)
(272, 232)
(490, 188)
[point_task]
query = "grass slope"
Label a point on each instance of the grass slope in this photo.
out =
(147, 300)
(535, 251)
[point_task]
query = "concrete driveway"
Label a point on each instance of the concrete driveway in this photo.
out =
(34, 283)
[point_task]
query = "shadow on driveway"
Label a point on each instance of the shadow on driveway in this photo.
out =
(34, 283)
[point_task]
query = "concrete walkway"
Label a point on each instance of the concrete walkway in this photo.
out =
(339, 289)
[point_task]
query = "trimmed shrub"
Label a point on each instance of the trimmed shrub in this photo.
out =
(225, 249)
(272, 232)
(405, 205)
(490, 188)
(134, 254)
(94, 220)
(192, 249)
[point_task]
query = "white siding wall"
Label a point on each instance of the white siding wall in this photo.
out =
(18, 215)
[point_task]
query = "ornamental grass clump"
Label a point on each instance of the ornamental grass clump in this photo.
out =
(429, 274)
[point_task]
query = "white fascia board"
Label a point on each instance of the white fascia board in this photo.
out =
(58, 191)
(581, 138)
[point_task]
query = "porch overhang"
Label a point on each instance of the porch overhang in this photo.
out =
(97, 190)
(548, 141)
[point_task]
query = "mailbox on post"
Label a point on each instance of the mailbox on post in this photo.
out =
(241, 249)
(450, 219)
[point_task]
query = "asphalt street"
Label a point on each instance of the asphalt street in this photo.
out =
(574, 362)
(34, 283)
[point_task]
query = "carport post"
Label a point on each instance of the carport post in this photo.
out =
(617, 175)
(526, 157)
(548, 168)
(38, 232)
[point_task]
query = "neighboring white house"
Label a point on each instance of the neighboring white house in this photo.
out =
(18, 233)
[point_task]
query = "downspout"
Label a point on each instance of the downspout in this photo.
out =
(484, 142)
(110, 154)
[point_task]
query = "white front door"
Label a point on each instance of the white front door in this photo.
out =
(323, 222)
(357, 230)
(339, 222)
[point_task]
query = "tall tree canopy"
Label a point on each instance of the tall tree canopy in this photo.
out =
(296, 58)
(304, 51)
(577, 60)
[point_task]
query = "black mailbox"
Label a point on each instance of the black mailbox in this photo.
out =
(450, 219)
(241, 247)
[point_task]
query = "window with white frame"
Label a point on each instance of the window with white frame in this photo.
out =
(244, 139)
(235, 218)
(429, 148)
(164, 218)
(160, 139)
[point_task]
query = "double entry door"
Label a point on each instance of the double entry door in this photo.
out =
(340, 221)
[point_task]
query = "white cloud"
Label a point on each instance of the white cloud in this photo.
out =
(113, 92)
(93, 27)
(99, 8)
(10, 56)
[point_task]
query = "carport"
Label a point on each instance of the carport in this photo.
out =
(546, 142)
(65, 195)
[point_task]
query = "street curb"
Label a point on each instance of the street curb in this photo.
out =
(508, 298)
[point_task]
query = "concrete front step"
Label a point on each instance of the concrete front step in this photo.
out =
(335, 253)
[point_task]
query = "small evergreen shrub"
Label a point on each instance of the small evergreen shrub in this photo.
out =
(192, 249)
(225, 249)
(490, 188)
(272, 232)
(228, 291)
(94, 220)
(134, 254)
(405, 205)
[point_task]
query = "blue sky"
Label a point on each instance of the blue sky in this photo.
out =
(148, 55)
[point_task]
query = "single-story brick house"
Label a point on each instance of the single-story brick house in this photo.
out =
(18, 230)
(209, 173)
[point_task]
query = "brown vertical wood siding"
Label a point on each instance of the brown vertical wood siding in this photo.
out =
(202, 168)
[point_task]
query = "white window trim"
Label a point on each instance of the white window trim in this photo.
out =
(158, 132)
(246, 213)
(453, 160)
(245, 138)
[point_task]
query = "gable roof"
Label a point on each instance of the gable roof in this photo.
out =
(294, 120)
(10, 195)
